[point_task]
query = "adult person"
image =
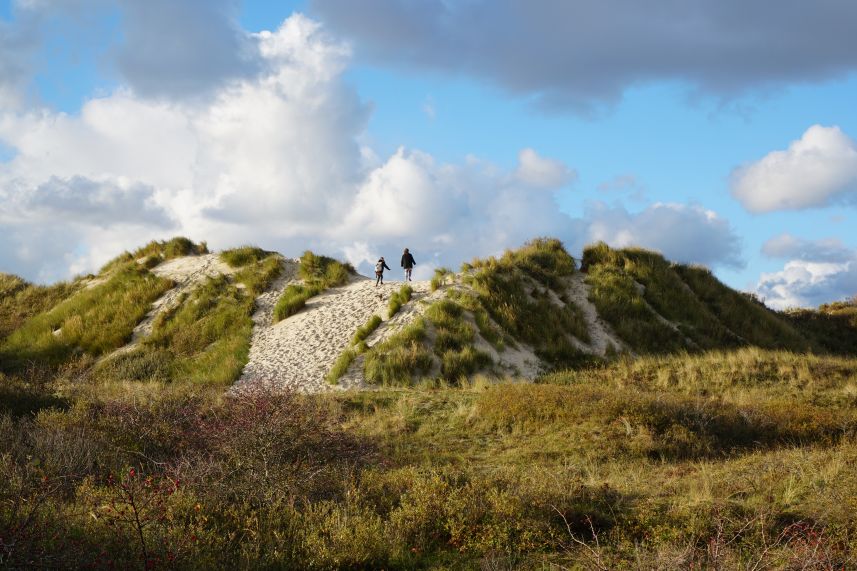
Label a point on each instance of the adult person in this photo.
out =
(379, 271)
(408, 263)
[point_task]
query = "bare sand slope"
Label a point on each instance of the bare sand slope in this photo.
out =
(298, 352)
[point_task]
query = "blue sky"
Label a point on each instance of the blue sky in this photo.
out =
(477, 127)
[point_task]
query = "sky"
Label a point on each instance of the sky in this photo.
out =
(717, 133)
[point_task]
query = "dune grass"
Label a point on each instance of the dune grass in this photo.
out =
(399, 298)
(400, 359)
(21, 300)
(522, 290)
(724, 459)
(91, 322)
(243, 255)
(319, 273)
(158, 251)
(203, 339)
(729, 459)
(366, 329)
(441, 275)
(341, 365)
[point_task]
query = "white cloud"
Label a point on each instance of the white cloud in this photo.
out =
(818, 169)
(683, 233)
(275, 159)
(808, 284)
(540, 172)
(817, 271)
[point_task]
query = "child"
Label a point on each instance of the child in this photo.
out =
(379, 271)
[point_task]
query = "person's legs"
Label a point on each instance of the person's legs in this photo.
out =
(378, 277)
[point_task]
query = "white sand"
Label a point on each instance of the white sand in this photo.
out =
(298, 352)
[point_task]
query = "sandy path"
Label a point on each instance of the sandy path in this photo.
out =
(601, 335)
(298, 352)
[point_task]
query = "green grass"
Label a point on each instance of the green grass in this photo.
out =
(324, 271)
(487, 329)
(708, 314)
(91, 322)
(398, 299)
(243, 255)
(524, 292)
(618, 302)
(364, 331)
(293, 300)
(21, 300)
(157, 251)
(204, 339)
(832, 327)
(440, 277)
(400, 359)
(340, 366)
(319, 273)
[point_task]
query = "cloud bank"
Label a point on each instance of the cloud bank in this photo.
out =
(583, 53)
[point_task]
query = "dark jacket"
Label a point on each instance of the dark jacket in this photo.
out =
(383, 265)
(408, 261)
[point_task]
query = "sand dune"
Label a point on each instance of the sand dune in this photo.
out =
(297, 353)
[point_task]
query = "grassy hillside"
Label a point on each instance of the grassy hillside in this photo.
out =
(633, 289)
(728, 443)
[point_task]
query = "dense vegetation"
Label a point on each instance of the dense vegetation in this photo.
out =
(724, 446)
(725, 460)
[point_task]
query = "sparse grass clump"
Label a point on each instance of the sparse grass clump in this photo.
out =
(238, 257)
(487, 329)
(294, 299)
(454, 341)
(319, 273)
(323, 271)
(341, 365)
(440, 277)
(457, 365)
(398, 299)
(367, 329)
(399, 359)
